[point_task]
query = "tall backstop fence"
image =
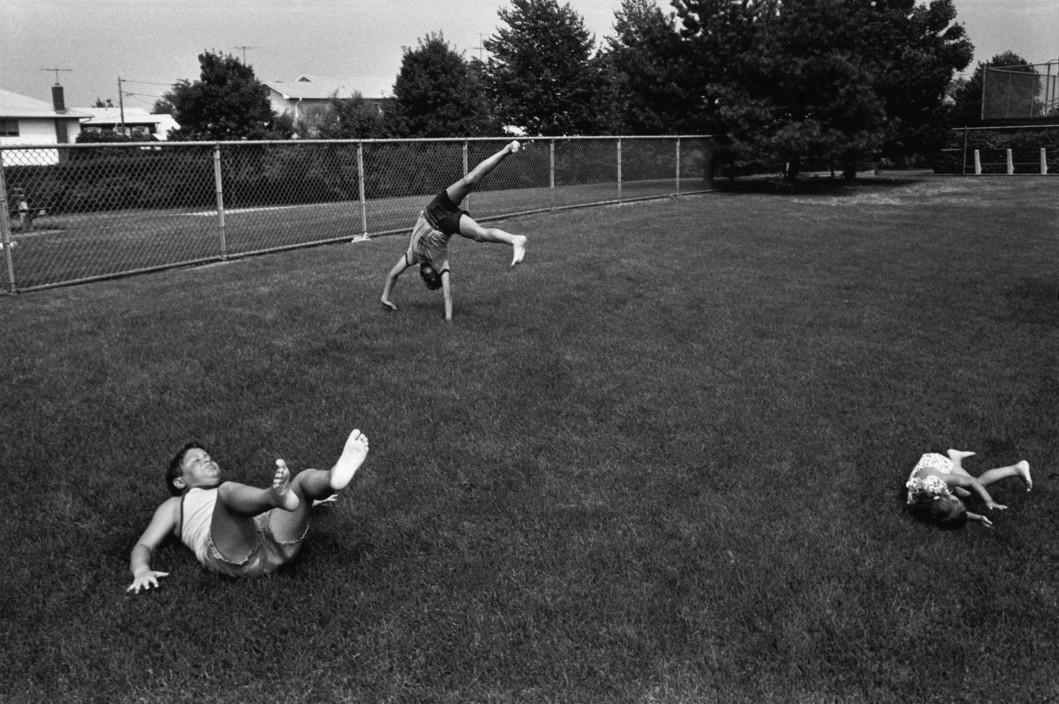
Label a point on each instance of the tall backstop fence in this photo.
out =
(78, 213)
(1028, 91)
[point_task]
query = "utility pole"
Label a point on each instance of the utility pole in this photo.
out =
(121, 105)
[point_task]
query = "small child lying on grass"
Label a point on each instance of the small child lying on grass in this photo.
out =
(233, 528)
(937, 484)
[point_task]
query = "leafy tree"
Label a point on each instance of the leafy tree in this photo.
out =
(226, 103)
(100, 104)
(540, 73)
(343, 118)
(913, 51)
(162, 106)
(439, 94)
(652, 89)
(834, 80)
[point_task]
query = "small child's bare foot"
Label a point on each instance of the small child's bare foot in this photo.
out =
(332, 499)
(520, 250)
(281, 491)
(1023, 468)
(353, 455)
(957, 455)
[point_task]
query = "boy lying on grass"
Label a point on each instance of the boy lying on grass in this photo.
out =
(938, 483)
(233, 528)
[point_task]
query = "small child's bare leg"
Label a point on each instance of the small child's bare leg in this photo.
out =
(958, 456)
(1020, 470)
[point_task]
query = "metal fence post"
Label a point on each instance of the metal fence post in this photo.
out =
(619, 169)
(678, 166)
(551, 171)
(360, 189)
(965, 151)
(1011, 163)
(466, 167)
(1044, 161)
(219, 186)
(977, 162)
(5, 231)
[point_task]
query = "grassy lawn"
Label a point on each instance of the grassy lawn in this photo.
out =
(661, 461)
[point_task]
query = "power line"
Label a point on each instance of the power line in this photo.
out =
(147, 83)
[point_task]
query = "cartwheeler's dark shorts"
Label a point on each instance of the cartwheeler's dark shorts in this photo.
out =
(443, 214)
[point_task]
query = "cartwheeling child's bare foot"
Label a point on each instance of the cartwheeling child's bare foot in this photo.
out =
(388, 304)
(353, 455)
(514, 147)
(957, 455)
(519, 248)
(1023, 468)
(282, 495)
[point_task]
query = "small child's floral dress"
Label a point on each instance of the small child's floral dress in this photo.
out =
(930, 486)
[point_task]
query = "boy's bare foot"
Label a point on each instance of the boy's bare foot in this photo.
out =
(957, 455)
(353, 455)
(1023, 468)
(281, 492)
(520, 250)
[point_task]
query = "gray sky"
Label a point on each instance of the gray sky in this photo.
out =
(153, 43)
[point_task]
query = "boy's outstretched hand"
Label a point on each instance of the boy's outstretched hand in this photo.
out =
(145, 581)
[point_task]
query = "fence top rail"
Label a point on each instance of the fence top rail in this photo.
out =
(994, 128)
(454, 140)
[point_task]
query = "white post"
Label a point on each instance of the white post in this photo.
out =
(977, 163)
(5, 231)
(1011, 164)
(361, 191)
(218, 185)
(1044, 161)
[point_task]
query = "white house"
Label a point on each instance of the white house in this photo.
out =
(307, 91)
(25, 120)
(135, 122)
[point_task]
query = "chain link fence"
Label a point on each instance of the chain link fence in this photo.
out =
(78, 213)
(1001, 149)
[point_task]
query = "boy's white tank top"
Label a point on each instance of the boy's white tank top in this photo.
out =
(196, 515)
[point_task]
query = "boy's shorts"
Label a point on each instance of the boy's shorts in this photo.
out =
(443, 214)
(266, 557)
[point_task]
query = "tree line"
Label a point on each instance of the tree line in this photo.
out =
(778, 82)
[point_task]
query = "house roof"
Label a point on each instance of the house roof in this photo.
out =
(13, 105)
(112, 116)
(311, 87)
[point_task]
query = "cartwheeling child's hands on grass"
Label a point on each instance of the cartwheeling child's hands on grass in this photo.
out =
(145, 580)
(994, 505)
(980, 518)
